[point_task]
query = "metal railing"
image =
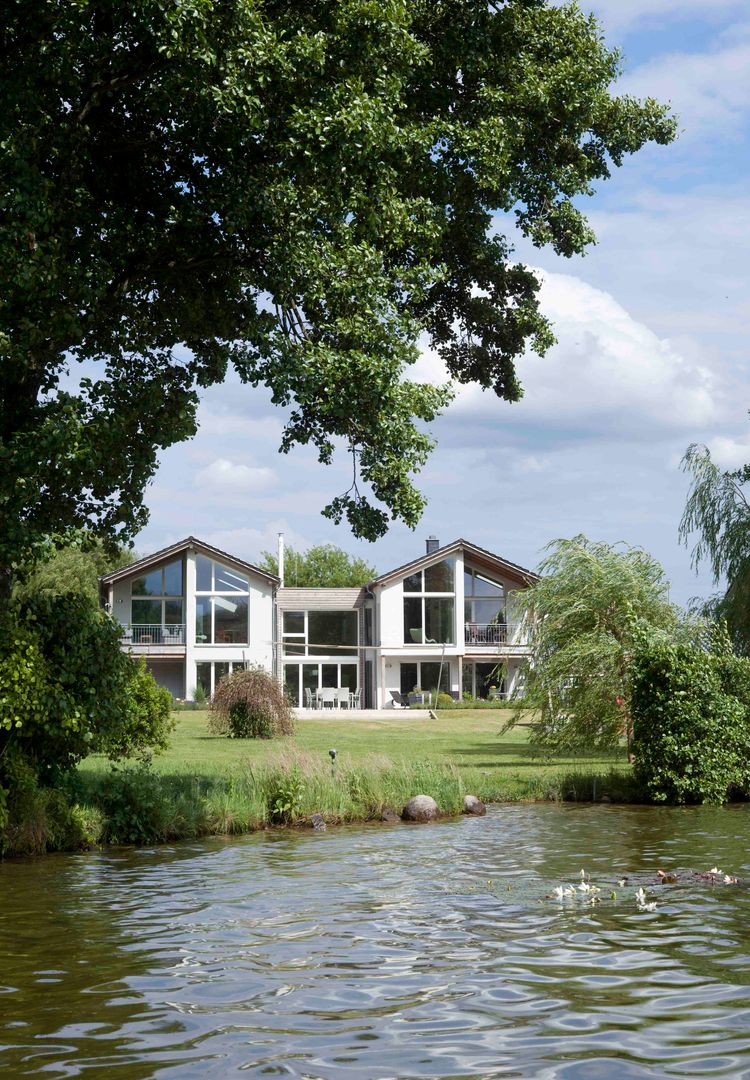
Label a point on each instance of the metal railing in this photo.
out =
(147, 634)
(493, 634)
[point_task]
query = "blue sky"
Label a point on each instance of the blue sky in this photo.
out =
(651, 355)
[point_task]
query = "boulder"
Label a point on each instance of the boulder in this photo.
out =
(420, 808)
(473, 805)
(318, 822)
(389, 815)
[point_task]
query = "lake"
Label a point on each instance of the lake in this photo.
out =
(387, 951)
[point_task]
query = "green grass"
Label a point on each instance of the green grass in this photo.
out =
(209, 785)
(492, 765)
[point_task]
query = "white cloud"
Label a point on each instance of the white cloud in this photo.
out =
(608, 373)
(709, 90)
(231, 476)
(729, 453)
(619, 14)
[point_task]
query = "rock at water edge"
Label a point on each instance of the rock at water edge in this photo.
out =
(420, 808)
(473, 805)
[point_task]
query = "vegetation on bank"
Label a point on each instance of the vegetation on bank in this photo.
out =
(208, 785)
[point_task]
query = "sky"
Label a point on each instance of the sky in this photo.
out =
(651, 356)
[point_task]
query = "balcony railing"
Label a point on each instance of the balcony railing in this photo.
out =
(147, 634)
(493, 634)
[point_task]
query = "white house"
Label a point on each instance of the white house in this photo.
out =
(444, 620)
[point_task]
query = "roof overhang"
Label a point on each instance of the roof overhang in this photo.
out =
(483, 558)
(191, 543)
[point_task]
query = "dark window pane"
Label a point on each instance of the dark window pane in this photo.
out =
(227, 580)
(203, 567)
(310, 677)
(221, 670)
(291, 683)
(408, 678)
(467, 679)
(148, 585)
(368, 626)
(172, 612)
(294, 647)
(203, 674)
(173, 579)
(412, 620)
(329, 632)
(294, 622)
(429, 676)
(468, 583)
(438, 615)
(489, 676)
(146, 611)
(414, 582)
(484, 587)
(349, 676)
(230, 619)
(488, 611)
(439, 578)
(329, 675)
(202, 620)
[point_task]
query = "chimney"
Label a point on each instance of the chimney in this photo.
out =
(432, 544)
(281, 560)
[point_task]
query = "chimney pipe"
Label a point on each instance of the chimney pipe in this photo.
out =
(281, 560)
(432, 544)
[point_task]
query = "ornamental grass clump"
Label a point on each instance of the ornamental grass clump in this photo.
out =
(250, 704)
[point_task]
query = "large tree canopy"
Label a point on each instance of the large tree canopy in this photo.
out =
(717, 512)
(297, 189)
(591, 606)
(321, 566)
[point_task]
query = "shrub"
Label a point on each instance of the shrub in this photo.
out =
(690, 734)
(250, 704)
(147, 720)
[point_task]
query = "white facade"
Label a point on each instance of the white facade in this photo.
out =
(445, 620)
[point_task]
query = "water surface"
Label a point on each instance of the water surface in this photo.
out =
(374, 952)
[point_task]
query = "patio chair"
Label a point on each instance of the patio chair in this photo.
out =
(355, 697)
(418, 638)
(309, 703)
(328, 697)
(399, 699)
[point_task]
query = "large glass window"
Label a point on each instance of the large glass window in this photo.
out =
(166, 581)
(320, 633)
(484, 602)
(425, 676)
(146, 612)
(300, 678)
(429, 618)
(209, 673)
(221, 606)
(230, 620)
(482, 680)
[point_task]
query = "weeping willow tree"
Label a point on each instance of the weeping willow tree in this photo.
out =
(592, 604)
(717, 510)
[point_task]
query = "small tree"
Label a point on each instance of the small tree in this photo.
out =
(250, 704)
(321, 566)
(591, 604)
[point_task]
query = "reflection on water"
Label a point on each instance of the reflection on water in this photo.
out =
(385, 952)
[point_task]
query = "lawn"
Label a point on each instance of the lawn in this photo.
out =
(490, 763)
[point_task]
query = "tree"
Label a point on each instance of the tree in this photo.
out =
(73, 568)
(590, 607)
(717, 510)
(298, 190)
(321, 566)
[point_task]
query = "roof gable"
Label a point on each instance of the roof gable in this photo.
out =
(527, 577)
(190, 542)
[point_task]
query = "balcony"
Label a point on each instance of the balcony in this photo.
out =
(494, 634)
(146, 634)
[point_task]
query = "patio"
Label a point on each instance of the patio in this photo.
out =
(363, 714)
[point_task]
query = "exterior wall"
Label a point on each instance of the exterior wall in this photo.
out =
(312, 600)
(169, 674)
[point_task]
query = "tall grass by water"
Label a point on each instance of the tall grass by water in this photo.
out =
(208, 785)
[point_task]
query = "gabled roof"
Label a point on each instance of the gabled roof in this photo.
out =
(478, 553)
(177, 549)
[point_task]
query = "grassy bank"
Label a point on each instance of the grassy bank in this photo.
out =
(206, 784)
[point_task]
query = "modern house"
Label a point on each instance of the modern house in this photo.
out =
(444, 620)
